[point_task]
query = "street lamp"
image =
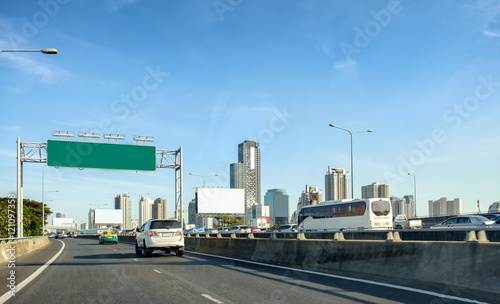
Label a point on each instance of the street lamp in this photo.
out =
(204, 177)
(44, 194)
(414, 192)
(43, 209)
(44, 51)
(352, 173)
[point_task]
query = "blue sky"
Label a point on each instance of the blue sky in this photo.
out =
(207, 75)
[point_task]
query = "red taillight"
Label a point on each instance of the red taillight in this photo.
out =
(179, 232)
(153, 233)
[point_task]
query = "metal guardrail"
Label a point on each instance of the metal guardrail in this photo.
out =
(425, 235)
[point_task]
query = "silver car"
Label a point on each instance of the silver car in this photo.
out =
(240, 229)
(165, 235)
(286, 228)
(465, 221)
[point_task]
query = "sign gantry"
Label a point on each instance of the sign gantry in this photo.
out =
(77, 154)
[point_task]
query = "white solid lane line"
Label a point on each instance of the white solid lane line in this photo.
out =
(21, 285)
(212, 299)
(157, 271)
(421, 291)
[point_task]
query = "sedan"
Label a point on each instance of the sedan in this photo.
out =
(240, 229)
(287, 228)
(255, 229)
(465, 221)
(108, 236)
(211, 230)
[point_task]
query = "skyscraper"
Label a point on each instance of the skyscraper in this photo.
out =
(160, 209)
(445, 207)
(245, 174)
(277, 200)
(122, 201)
(336, 184)
(145, 210)
(311, 196)
(375, 190)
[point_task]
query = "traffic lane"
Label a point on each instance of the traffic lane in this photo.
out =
(110, 273)
(27, 264)
(87, 272)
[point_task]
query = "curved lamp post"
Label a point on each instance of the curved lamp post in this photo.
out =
(204, 177)
(44, 51)
(352, 173)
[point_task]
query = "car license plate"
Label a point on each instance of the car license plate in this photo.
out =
(167, 234)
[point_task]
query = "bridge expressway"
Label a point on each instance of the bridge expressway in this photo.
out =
(83, 271)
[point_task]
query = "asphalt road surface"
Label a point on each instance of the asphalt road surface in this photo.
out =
(86, 272)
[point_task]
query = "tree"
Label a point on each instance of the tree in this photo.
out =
(228, 220)
(32, 217)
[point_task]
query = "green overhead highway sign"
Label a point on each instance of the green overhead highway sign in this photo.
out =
(77, 154)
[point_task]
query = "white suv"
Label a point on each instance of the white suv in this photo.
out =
(165, 235)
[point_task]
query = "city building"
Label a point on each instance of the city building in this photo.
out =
(84, 226)
(402, 206)
(375, 191)
(411, 204)
(123, 202)
(277, 200)
(259, 216)
(336, 184)
(60, 215)
(311, 196)
(245, 174)
(145, 210)
(494, 208)
(92, 218)
(160, 209)
(192, 212)
(445, 207)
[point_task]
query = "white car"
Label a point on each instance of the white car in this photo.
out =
(165, 235)
(240, 229)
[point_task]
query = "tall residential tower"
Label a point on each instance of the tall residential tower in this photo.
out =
(336, 184)
(245, 174)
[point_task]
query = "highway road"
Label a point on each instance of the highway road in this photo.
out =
(86, 272)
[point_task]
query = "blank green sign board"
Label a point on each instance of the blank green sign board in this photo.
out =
(77, 154)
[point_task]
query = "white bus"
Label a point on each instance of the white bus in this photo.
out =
(343, 215)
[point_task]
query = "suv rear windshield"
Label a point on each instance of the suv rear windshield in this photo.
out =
(165, 224)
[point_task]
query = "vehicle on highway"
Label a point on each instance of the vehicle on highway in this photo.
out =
(223, 229)
(254, 229)
(240, 229)
(401, 221)
(60, 236)
(211, 230)
(490, 216)
(286, 228)
(464, 221)
(165, 235)
(108, 236)
(342, 215)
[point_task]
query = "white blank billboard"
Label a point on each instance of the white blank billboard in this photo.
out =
(221, 200)
(109, 216)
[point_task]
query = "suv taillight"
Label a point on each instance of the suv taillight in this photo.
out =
(153, 233)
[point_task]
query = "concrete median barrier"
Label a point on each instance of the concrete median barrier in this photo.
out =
(14, 249)
(469, 266)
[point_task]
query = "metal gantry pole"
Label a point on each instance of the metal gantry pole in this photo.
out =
(19, 191)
